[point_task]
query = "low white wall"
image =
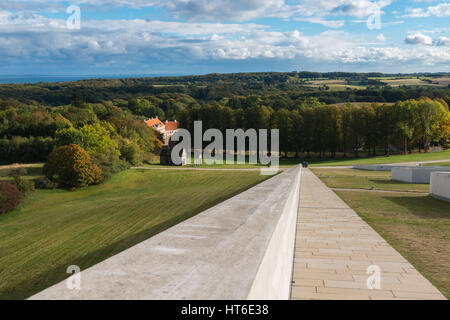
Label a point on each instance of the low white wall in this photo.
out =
(440, 185)
(242, 248)
(274, 277)
(376, 167)
(415, 174)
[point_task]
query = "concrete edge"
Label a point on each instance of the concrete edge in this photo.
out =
(274, 276)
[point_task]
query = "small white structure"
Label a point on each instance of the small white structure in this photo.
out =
(440, 185)
(415, 174)
(372, 167)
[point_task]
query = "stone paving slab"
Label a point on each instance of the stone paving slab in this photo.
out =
(334, 247)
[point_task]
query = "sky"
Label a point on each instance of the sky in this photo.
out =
(49, 37)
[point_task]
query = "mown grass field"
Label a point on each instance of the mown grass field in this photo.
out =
(57, 228)
(34, 170)
(437, 164)
(319, 162)
(414, 157)
(363, 179)
(416, 226)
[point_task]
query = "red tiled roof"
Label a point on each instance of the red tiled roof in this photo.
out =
(171, 125)
(154, 122)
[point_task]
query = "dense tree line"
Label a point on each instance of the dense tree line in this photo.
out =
(327, 129)
(105, 117)
(214, 87)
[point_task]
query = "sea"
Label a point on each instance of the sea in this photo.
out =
(8, 79)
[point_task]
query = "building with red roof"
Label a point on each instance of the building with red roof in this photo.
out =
(167, 129)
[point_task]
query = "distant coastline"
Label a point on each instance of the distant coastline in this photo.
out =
(18, 79)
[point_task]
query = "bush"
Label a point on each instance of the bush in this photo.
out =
(21, 171)
(110, 163)
(26, 187)
(45, 183)
(131, 152)
(71, 166)
(9, 197)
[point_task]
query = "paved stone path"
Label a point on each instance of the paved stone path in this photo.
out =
(334, 248)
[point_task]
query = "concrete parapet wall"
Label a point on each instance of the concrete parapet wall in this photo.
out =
(415, 174)
(273, 280)
(376, 167)
(440, 185)
(241, 248)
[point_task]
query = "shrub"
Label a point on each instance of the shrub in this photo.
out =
(45, 183)
(110, 163)
(150, 158)
(9, 197)
(71, 166)
(131, 152)
(21, 171)
(26, 187)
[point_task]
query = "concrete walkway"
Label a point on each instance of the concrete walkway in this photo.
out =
(334, 248)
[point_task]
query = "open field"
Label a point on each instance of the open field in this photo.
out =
(444, 81)
(318, 162)
(34, 170)
(415, 157)
(416, 226)
(438, 164)
(361, 179)
(407, 82)
(57, 228)
(335, 85)
(413, 81)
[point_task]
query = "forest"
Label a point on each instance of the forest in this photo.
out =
(106, 117)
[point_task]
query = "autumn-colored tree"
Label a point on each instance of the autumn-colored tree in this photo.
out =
(9, 197)
(71, 166)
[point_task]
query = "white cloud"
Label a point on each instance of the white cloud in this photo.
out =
(440, 10)
(419, 38)
(326, 23)
(31, 38)
(109, 42)
(381, 37)
(226, 11)
(442, 41)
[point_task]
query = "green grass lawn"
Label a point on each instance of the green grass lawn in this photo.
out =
(416, 226)
(57, 228)
(437, 164)
(362, 179)
(415, 157)
(317, 162)
(33, 171)
(284, 162)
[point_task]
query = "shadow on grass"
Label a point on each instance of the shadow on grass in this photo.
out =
(58, 273)
(425, 207)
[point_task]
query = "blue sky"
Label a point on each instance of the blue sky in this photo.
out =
(204, 36)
